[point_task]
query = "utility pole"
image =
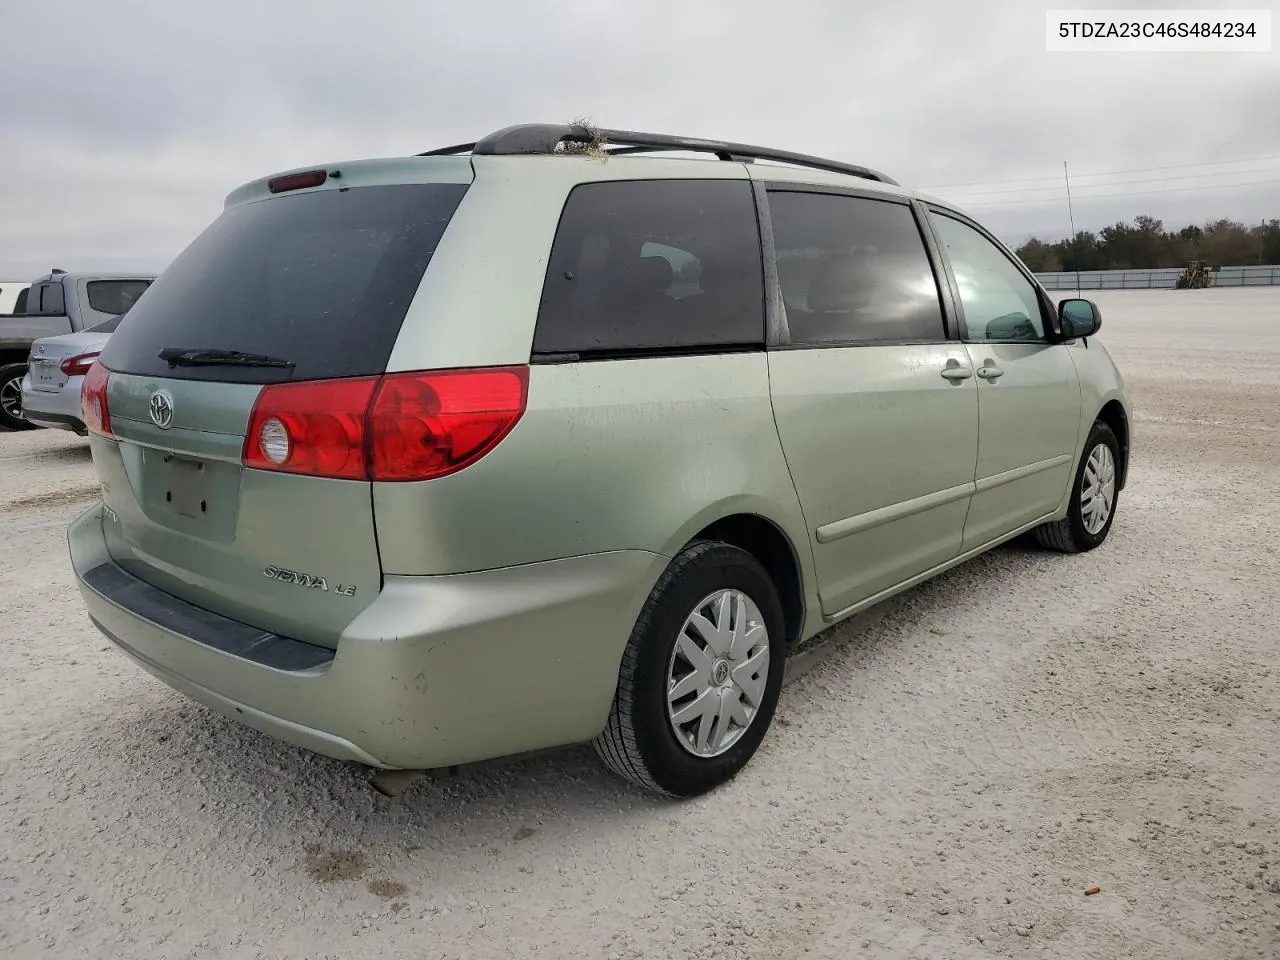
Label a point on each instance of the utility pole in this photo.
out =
(1075, 237)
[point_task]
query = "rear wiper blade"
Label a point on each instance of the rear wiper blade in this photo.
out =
(201, 357)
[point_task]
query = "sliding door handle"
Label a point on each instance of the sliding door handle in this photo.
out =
(955, 373)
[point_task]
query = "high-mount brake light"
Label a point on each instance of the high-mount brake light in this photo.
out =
(297, 181)
(93, 400)
(397, 427)
(78, 366)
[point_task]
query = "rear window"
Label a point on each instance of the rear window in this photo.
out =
(322, 279)
(114, 296)
(653, 265)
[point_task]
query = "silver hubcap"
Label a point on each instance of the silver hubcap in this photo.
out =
(717, 674)
(11, 397)
(1098, 489)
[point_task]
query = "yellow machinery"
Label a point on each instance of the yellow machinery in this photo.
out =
(1196, 276)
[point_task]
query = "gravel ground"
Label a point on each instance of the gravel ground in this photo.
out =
(946, 782)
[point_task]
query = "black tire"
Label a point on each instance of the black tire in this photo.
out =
(1069, 535)
(11, 375)
(638, 741)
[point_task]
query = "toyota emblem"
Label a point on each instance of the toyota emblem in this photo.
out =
(161, 409)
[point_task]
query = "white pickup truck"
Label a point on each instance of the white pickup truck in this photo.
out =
(56, 303)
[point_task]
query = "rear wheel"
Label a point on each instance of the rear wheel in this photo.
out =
(11, 417)
(1093, 498)
(701, 674)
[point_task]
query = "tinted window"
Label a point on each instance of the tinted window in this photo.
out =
(323, 279)
(52, 303)
(114, 296)
(853, 270)
(999, 302)
(653, 264)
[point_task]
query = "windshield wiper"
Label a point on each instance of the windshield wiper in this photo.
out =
(201, 357)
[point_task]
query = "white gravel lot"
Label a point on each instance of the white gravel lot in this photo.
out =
(946, 783)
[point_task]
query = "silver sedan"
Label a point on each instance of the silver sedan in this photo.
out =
(55, 373)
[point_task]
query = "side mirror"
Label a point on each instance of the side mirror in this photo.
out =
(1078, 318)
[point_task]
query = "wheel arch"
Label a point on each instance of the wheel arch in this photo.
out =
(1113, 414)
(767, 541)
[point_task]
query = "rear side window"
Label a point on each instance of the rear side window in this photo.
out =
(114, 296)
(653, 265)
(322, 279)
(853, 270)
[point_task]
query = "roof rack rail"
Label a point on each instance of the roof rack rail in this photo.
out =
(544, 138)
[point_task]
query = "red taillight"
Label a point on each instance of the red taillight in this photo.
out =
(315, 427)
(93, 399)
(426, 425)
(296, 181)
(402, 426)
(78, 366)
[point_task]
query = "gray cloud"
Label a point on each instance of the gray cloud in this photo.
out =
(128, 126)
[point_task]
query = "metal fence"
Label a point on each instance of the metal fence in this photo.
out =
(1262, 276)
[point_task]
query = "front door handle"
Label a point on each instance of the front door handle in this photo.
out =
(955, 373)
(989, 371)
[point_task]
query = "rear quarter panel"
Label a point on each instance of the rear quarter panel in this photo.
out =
(610, 455)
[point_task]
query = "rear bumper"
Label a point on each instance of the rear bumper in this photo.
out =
(436, 671)
(56, 409)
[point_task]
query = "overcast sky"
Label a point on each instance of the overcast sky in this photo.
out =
(126, 123)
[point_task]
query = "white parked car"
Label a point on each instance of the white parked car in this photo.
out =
(10, 290)
(55, 373)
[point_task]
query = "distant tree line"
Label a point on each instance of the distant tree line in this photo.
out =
(1145, 244)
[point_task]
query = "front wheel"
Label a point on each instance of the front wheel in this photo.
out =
(11, 417)
(700, 676)
(1093, 498)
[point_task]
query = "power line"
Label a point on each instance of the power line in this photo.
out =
(1124, 194)
(1108, 173)
(1180, 166)
(1117, 183)
(1101, 173)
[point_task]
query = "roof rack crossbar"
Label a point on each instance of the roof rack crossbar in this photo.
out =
(544, 138)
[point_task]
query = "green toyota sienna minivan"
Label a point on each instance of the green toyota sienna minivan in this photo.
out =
(542, 440)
